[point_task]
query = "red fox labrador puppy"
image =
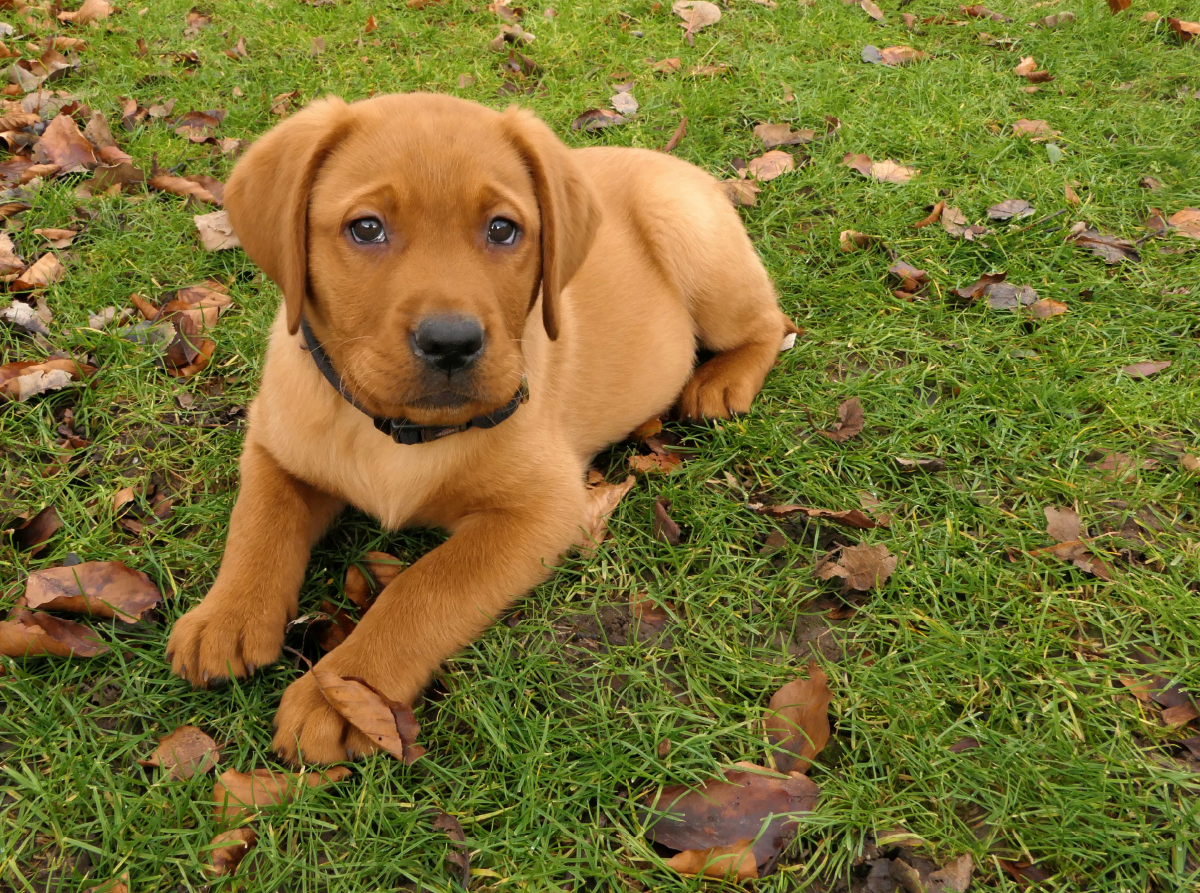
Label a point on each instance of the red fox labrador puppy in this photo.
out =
(471, 312)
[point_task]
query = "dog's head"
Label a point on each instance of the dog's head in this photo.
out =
(414, 232)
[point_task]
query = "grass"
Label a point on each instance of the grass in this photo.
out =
(539, 737)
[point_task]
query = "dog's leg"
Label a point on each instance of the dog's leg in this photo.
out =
(434, 608)
(240, 624)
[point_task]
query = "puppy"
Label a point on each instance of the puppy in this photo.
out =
(471, 312)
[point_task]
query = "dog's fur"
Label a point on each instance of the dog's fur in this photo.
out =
(627, 261)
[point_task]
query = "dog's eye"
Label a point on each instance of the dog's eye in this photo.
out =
(502, 231)
(367, 229)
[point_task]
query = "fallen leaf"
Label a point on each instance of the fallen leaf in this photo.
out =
(199, 127)
(62, 144)
(892, 56)
(1070, 196)
(929, 465)
(228, 850)
(33, 319)
(885, 171)
(1116, 6)
(1063, 524)
(1011, 209)
(797, 721)
(1053, 21)
(859, 567)
(1046, 308)
(955, 877)
(871, 9)
(912, 281)
(199, 187)
(775, 135)
(677, 136)
(90, 11)
(963, 744)
(1186, 222)
(981, 287)
(1145, 370)
(742, 193)
(667, 66)
(595, 120)
(1065, 528)
(371, 714)
(459, 855)
(216, 232)
(58, 238)
(602, 500)
(370, 576)
(1005, 296)
(237, 793)
(1186, 30)
(664, 527)
(979, 11)
(955, 223)
(934, 216)
(850, 241)
(1035, 130)
(194, 22)
(99, 588)
(696, 15)
(34, 634)
(771, 165)
(45, 271)
(1112, 249)
(849, 423)
(847, 517)
(721, 824)
(281, 103)
(25, 379)
(647, 611)
(185, 752)
(661, 463)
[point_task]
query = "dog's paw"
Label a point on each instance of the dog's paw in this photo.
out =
(211, 643)
(308, 730)
(721, 388)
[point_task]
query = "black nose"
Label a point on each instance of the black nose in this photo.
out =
(449, 343)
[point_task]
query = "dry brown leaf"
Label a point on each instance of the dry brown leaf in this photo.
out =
(595, 120)
(237, 793)
(647, 611)
(1028, 70)
(215, 230)
(1011, 209)
(742, 193)
(365, 580)
(1065, 528)
(850, 421)
(850, 241)
(892, 56)
(62, 144)
(1145, 370)
(719, 818)
(848, 517)
(58, 238)
(185, 752)
(602, 500)
(1186, 222)
(664, 527)
(25, 379)
(954, 222)
(859, 567)
(45, 271)
(32, 535)
(696, 15)
(771, 165)
(34, 634)
(1035, 130)
(199, 187)
(228, 850)
(655, 463)
(1046, 308)
(459, 855)
(775, 135)
(913, 282)
(1112, 249)
(1185, 30)
(797, 721)
(736, 861)
(99, 588)
(934, 216)
(929, 466)
(871, 9)
(978, 11)
(373, 715)
(667, 66)
(90, 11)
(885, 171)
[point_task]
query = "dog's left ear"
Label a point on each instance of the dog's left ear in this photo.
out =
(569, 209)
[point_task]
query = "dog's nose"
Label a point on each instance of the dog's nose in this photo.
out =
(449, 343)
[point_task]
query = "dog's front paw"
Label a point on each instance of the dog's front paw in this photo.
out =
(212, 643)
(720, 388)
(308, 730)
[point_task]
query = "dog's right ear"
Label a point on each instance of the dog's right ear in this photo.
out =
(267, 195)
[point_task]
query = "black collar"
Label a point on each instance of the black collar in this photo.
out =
(402, 430)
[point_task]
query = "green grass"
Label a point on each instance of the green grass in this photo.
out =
(539, 743)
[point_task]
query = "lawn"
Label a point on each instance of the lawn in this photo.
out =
(543, 736)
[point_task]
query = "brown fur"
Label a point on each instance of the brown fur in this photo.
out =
(640, 257)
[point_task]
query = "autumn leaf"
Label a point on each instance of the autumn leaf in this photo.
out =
(185, 752)
(1186, 222)
(696, 15)
(1011, 209)
(459, 855)
(797, 721)
(847, 517)
(647, 610)
(742, 193)
(58, 238)
(718, 828)
(928, 465)
(871, 9)
(979, 11)
(850, 241)
(849, 424)
(25, 379)
(34, 634)
(199, 127)
(954, 222)
(62, 144)
(90, 11)
(885, 171)
(1046, 308)
(913, 282)
(935, 214)
(601, 501)
(892, 56)
(771, 165)
(216, 232)
(1145, 370)
(655, 463)
(1065, 527)
(1185, 30)
(373, 715)
(237, 793)
(45, 271)
(366, 579)
(228, 850)
(1035, 130)
(1112, 249)
(1028, 70)
(595, 120)
(664, 527)
(667, 66)
(859, 567)
(200, 187)
(775, 135)
(99, 588)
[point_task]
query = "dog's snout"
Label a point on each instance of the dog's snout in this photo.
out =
(449, 343)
